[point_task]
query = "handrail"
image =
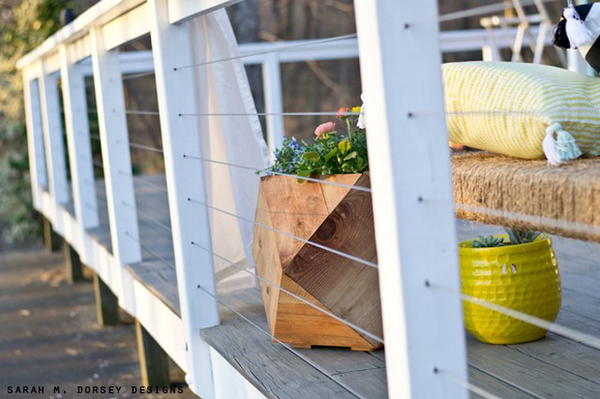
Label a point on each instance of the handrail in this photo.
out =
(108, 10)
(98, 14)
(141, 61)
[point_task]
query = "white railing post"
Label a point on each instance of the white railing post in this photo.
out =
(35, 140)
(271, 73)
(53, 142)
(78, 142)
(116, 158)
(176, 90)
(489, 52)
(412, 198)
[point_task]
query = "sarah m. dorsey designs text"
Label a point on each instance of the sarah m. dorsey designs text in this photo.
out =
(91, 389)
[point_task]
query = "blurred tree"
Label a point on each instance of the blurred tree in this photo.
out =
(312, 85)
(23, 26)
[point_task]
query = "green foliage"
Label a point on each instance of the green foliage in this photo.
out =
(330, 153)
(333, 154)
(487, 242)
(521, 236)
(22, 28)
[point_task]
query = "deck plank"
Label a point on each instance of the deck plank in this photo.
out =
(371, 384)
(585, 306)
(271, 368)
(584, 284)
(361, 372)
(495, 386)
(101, 233)
(339, 361)
(578, 322)
(159, 280)
(568, 355)
(157, 269)
(518, 368)
(553, 367)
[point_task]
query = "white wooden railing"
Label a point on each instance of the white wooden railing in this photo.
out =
(271, 54)
(399, 48)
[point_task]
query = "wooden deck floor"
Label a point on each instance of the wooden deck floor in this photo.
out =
(554, 367)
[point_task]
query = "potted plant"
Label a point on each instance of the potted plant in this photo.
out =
(293, 214)
(517, 270)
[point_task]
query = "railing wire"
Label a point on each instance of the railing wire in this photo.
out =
(268, 172)
(278, 49)
(285, 233)
(303, 300)
(567, 332)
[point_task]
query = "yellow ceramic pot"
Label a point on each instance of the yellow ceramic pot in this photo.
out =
(522, 277)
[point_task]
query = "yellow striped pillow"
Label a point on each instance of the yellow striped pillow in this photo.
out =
(508, 107)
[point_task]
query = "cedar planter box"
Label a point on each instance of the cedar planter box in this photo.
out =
(336, 217)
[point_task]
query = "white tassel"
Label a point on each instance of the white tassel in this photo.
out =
(362, 117)
(563, 148)
(549, 145)
(578, 34)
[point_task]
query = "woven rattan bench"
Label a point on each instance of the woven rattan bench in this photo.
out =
(529, 194)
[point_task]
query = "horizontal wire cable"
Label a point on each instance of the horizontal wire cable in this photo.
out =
(285, 233)
(151, 252)
(490, 112)
(145, 147)
(135, 145)
(466, 384)
(498, 112)
(94, 137)
(475, 11)
(567, 332)
(147, 183)
(522, 217)
(98, 164)
(308, 113)
(143, 181)
(141, 112)
(222, 162)
(311, 179)
(357, 188)
(276, 49)
(482, 10)
(311, 304)
(412, 114)
(148, 217)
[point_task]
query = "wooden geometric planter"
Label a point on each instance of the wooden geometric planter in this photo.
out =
(336, 217)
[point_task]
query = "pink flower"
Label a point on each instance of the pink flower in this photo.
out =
(324, 128)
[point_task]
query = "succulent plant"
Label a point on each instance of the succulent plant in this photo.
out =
(515, 237)
(521, 236)
(487, 242)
